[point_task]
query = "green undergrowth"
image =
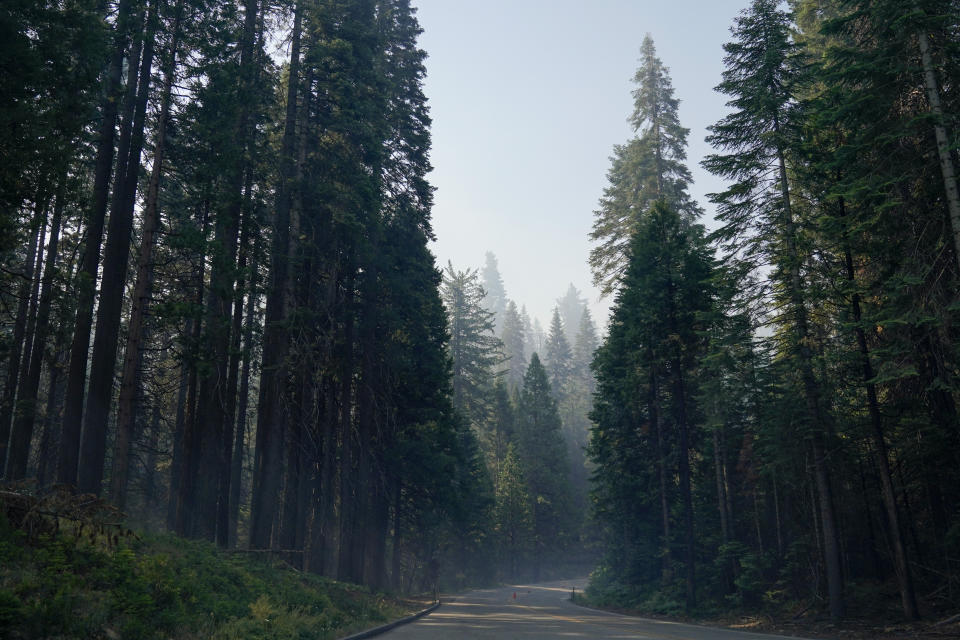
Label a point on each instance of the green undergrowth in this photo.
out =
(60, 585)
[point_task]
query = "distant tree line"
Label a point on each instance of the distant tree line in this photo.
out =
(776, 411)
(529, 418)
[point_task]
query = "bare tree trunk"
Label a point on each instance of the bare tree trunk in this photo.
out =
(176, 462)
(230, 444)
(328, 482)
(654, 403)
(270, 418)
(26, 413)
(396, 559)
(881, 457)
(943, 141)
(831, 535)
(12, 469)
(236, 463)
(51, 418)
(69, 455)
(183, 491)
(130, 381)
(93, 446)
(348, 447)
(150, 495)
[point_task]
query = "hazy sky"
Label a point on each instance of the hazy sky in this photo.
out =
(528, 98)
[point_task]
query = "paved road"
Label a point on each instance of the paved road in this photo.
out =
(544, 611)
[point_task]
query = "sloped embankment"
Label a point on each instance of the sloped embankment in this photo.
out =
(70, 576)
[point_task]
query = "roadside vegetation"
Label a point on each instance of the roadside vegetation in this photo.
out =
(89, 579)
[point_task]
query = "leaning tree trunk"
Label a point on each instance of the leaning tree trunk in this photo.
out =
(881, 458)
(943, 141)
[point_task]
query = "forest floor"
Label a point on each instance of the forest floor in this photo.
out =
(874, 622)
(67, 579)
(850, 629)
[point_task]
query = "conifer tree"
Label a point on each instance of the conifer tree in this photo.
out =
(496, 295)
(654, 345)
(559, 359)
(572, 306)
(513, 518)
(475, 351)
(759, 215)
(543, 457)
(647, 168)
(513, 337)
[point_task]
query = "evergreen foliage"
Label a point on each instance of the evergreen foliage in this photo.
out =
(543, 455)
(814, 361)
(559, 359)
(649, 167)
(514, 339)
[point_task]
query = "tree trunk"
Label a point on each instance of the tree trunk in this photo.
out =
(270, 415)
(184, 490)
(348, 446)
(234, 445)
(236, 462)
(943, 142)
(654, 405)
(54, 404)
(11, 469)
(721, 492)
(881, 457)
(93, 446)
(130, 381)
(215, 429)
(176, 462)
(26, 413)
(396, 559)
(680, 409)
(831, 536)
(86, 282)
(150, 496)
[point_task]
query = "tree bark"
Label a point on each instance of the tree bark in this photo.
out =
(831, 536)
(236, 463)
(270, 416)
(26, 412)
(132, 356)
(17, 452)
(10, 469)
(183, 490)
(176, 462)
(69, 454)
(881, 457)
(654, 406)
(943, 142)
(93, 446)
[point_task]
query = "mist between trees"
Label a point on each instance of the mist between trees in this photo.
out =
(220, 311)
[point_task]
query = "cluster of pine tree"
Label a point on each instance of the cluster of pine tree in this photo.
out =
(219, 308)
(529, 419)
(776, 411)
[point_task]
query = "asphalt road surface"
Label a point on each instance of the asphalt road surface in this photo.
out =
(544, 611)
